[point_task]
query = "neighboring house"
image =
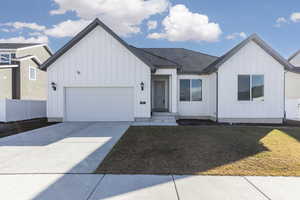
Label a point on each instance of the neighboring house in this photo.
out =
(99, 77)
(293, 78)
(20, 76)
(295, 59)
(292, 88)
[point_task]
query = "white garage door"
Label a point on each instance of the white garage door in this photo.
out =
(99, 104)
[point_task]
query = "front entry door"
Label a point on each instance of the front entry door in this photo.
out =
(160, 95)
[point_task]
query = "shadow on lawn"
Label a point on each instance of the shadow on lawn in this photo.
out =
(181, 150)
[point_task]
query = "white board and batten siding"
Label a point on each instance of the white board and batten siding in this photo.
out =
(251, 59)
(99, 61)
(200, 109)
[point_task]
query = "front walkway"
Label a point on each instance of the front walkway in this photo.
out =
(146, 187)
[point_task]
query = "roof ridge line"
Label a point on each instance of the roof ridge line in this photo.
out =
(200, 52)
(158, 56)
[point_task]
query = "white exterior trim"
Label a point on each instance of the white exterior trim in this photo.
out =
(195, 108)
(172, 87)
(29, 73)
(8, 66)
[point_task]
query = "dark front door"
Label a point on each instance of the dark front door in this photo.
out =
(159, 95)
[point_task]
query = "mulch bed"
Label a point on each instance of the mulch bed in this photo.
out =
(203, 122)
(13, 128)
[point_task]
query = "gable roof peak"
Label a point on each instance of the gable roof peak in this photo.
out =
(255, 38)
(95, 23)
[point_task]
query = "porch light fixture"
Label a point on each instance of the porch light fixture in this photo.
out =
(53, 86)
(142, 86)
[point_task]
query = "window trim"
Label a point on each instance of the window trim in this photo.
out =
(191, 97)
(9, 59)
(251, 82)
(35, 73)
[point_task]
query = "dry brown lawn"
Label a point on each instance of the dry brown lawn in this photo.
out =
(214, 150)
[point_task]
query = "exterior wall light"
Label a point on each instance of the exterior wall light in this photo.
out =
(142, 86)
(53, 86)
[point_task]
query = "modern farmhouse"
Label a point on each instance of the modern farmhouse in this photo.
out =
(99, 77)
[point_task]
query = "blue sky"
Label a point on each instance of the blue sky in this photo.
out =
(229, 22)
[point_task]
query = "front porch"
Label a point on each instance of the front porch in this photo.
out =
(164, 91)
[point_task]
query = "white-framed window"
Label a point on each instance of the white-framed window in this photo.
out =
(190, 90)
(251, 87)
(5, 58)
(32, 73)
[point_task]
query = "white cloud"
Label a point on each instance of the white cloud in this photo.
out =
(5, 30)
(183, 25)
(280, 21)
(35, 34)
(21, 25)
(67, 28)
(21, 39)
(236, 35)
(295, 17)
(152, 25)
(124, 17)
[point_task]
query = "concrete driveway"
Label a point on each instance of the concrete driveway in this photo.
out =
(60, 149)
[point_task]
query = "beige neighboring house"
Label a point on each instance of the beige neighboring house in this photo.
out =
(20, 76)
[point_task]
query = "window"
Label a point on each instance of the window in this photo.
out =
(258, 87)
(190, 90)
(5, 58)
(251, 87)
(244, 87)
(32, 73)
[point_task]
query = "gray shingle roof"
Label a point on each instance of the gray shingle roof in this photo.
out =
(191, 62)
(156, 60)
(16, 45)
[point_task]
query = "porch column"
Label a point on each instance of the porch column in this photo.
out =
(174, 91)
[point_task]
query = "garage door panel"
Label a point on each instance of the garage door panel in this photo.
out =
(99, 104)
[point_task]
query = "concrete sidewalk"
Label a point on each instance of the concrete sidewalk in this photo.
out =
(146, 187)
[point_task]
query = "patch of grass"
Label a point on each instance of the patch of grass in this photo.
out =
(215, 150)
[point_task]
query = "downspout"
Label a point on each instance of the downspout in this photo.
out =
(217, 97)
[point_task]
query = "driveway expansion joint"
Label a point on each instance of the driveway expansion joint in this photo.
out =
(175, 187)
(94, 189)
(256, 188)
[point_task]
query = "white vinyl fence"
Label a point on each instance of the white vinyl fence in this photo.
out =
(18, 110)
(292, 107)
